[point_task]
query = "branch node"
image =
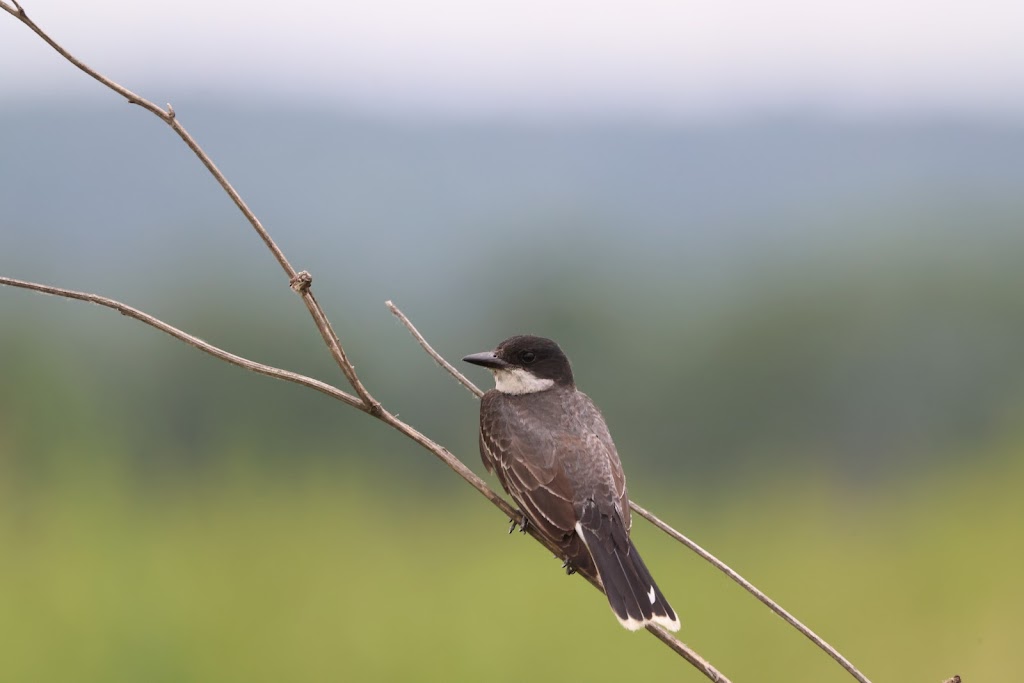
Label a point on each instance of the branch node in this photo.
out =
(301, 282)
(170, 112)
(21, 10)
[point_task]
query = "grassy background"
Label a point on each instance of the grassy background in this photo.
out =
(330, 572)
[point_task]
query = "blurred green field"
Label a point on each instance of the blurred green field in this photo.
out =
(323, 571)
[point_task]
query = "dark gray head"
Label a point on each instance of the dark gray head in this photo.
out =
(525, 364)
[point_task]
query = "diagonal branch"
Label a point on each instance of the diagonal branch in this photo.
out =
(299, 281)
(438, 358)
(653, 519)
(753, 590)
(203, 346)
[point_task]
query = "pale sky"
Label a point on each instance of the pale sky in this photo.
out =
(647, 57)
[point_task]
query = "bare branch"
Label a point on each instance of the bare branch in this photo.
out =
(205, 347)
(462, 379)
(653, 519)
(169, 117)
(301, 282)
(686, 653)
(753, 590)
(16, 10)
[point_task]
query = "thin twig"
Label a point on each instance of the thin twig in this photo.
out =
(206, 347)
(438, 358)
(656, 521)
(680, 648)
(300, 282)
(753, 590)
(18, 12)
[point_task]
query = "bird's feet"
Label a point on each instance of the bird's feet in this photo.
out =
(522, 523)
(567, 566)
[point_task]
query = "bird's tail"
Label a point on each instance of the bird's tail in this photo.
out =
(634, 597)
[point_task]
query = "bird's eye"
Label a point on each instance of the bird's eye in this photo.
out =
(527, 356)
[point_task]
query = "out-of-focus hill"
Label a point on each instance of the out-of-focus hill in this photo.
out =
(400, 195)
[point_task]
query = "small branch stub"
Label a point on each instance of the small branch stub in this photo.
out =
(301, 282)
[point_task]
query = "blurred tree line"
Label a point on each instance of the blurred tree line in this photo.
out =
(873, 363)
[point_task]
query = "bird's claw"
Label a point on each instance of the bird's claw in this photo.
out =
(569, 569)
(522, 523)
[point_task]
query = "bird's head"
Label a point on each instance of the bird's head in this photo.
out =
(525, 364)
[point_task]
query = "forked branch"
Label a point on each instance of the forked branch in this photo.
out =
(300, 282)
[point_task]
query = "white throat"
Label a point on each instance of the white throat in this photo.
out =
(519, 381)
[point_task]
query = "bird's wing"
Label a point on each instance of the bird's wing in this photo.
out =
(599, 442)
(551, 467)
(529, 463)
(485, 453)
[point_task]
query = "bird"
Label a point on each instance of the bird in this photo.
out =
(549, 446)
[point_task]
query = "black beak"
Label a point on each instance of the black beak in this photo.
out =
(487, 359)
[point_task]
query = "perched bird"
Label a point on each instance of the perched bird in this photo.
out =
(550, 448)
